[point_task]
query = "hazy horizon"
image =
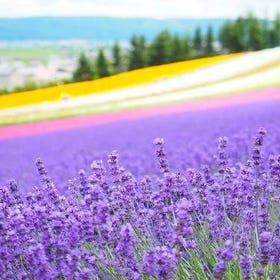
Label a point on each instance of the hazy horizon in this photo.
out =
(156, 9)
(116, 17)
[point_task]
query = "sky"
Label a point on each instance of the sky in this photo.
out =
(139, 8)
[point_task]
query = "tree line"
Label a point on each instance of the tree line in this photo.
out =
(165, 48)
(243, 34)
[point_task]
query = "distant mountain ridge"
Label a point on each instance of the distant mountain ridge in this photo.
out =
(101, 29)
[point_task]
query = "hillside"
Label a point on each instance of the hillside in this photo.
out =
(180, 82)
(96, 28)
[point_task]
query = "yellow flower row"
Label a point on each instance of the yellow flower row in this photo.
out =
(123, 80)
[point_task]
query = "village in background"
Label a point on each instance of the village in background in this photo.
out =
(23, 63)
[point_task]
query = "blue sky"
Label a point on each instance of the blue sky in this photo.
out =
(138, 8)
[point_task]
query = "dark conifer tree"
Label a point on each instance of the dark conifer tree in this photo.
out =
(137, 53)
(117, 59)
(84, 70)
(255, 33)
(274, 33)
(209, 42)
(197, 41)
(160, 49)
(102, 65)
(177, 49)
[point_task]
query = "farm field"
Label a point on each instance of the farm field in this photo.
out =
(161, 85)
(27, 54)
(171, 175)
(19, 130)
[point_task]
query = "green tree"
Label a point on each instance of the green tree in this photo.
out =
(274, 33)
(137, 53)
(187, 48)
(224, 36)
(102, 65)
(117, 59)
(239, 35)
(178, 49)
(197, 41)
(160, 50)
(233, 36)
(256, 40)
(277, 28)
(84, 70)
(209, 48)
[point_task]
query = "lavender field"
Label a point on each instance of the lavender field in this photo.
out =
(191, 140)
(183, 196)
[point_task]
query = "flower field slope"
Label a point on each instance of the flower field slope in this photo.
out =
(192, 195)
(250, 71)
(98, 118)
(123, 80)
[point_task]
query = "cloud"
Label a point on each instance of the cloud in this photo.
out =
(140, 8)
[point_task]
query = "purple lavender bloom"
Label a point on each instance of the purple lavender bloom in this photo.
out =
(263, 215)
(226, 253)
(160, 262)
(113, 160)
(222, 157)
(161, 154)
(256, 155)
(184, 227)
(275, 252)
(272, 275)
(219, 270)
(246, 266)
(125, 251)
(264, 249)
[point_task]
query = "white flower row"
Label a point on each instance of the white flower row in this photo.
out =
(216, 79)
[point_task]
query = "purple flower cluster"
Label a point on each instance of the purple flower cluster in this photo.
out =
(202, 223)
(160, 262)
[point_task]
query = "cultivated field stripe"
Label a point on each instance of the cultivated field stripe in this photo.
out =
(96, 104)
(14, 131)
(123, 80)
